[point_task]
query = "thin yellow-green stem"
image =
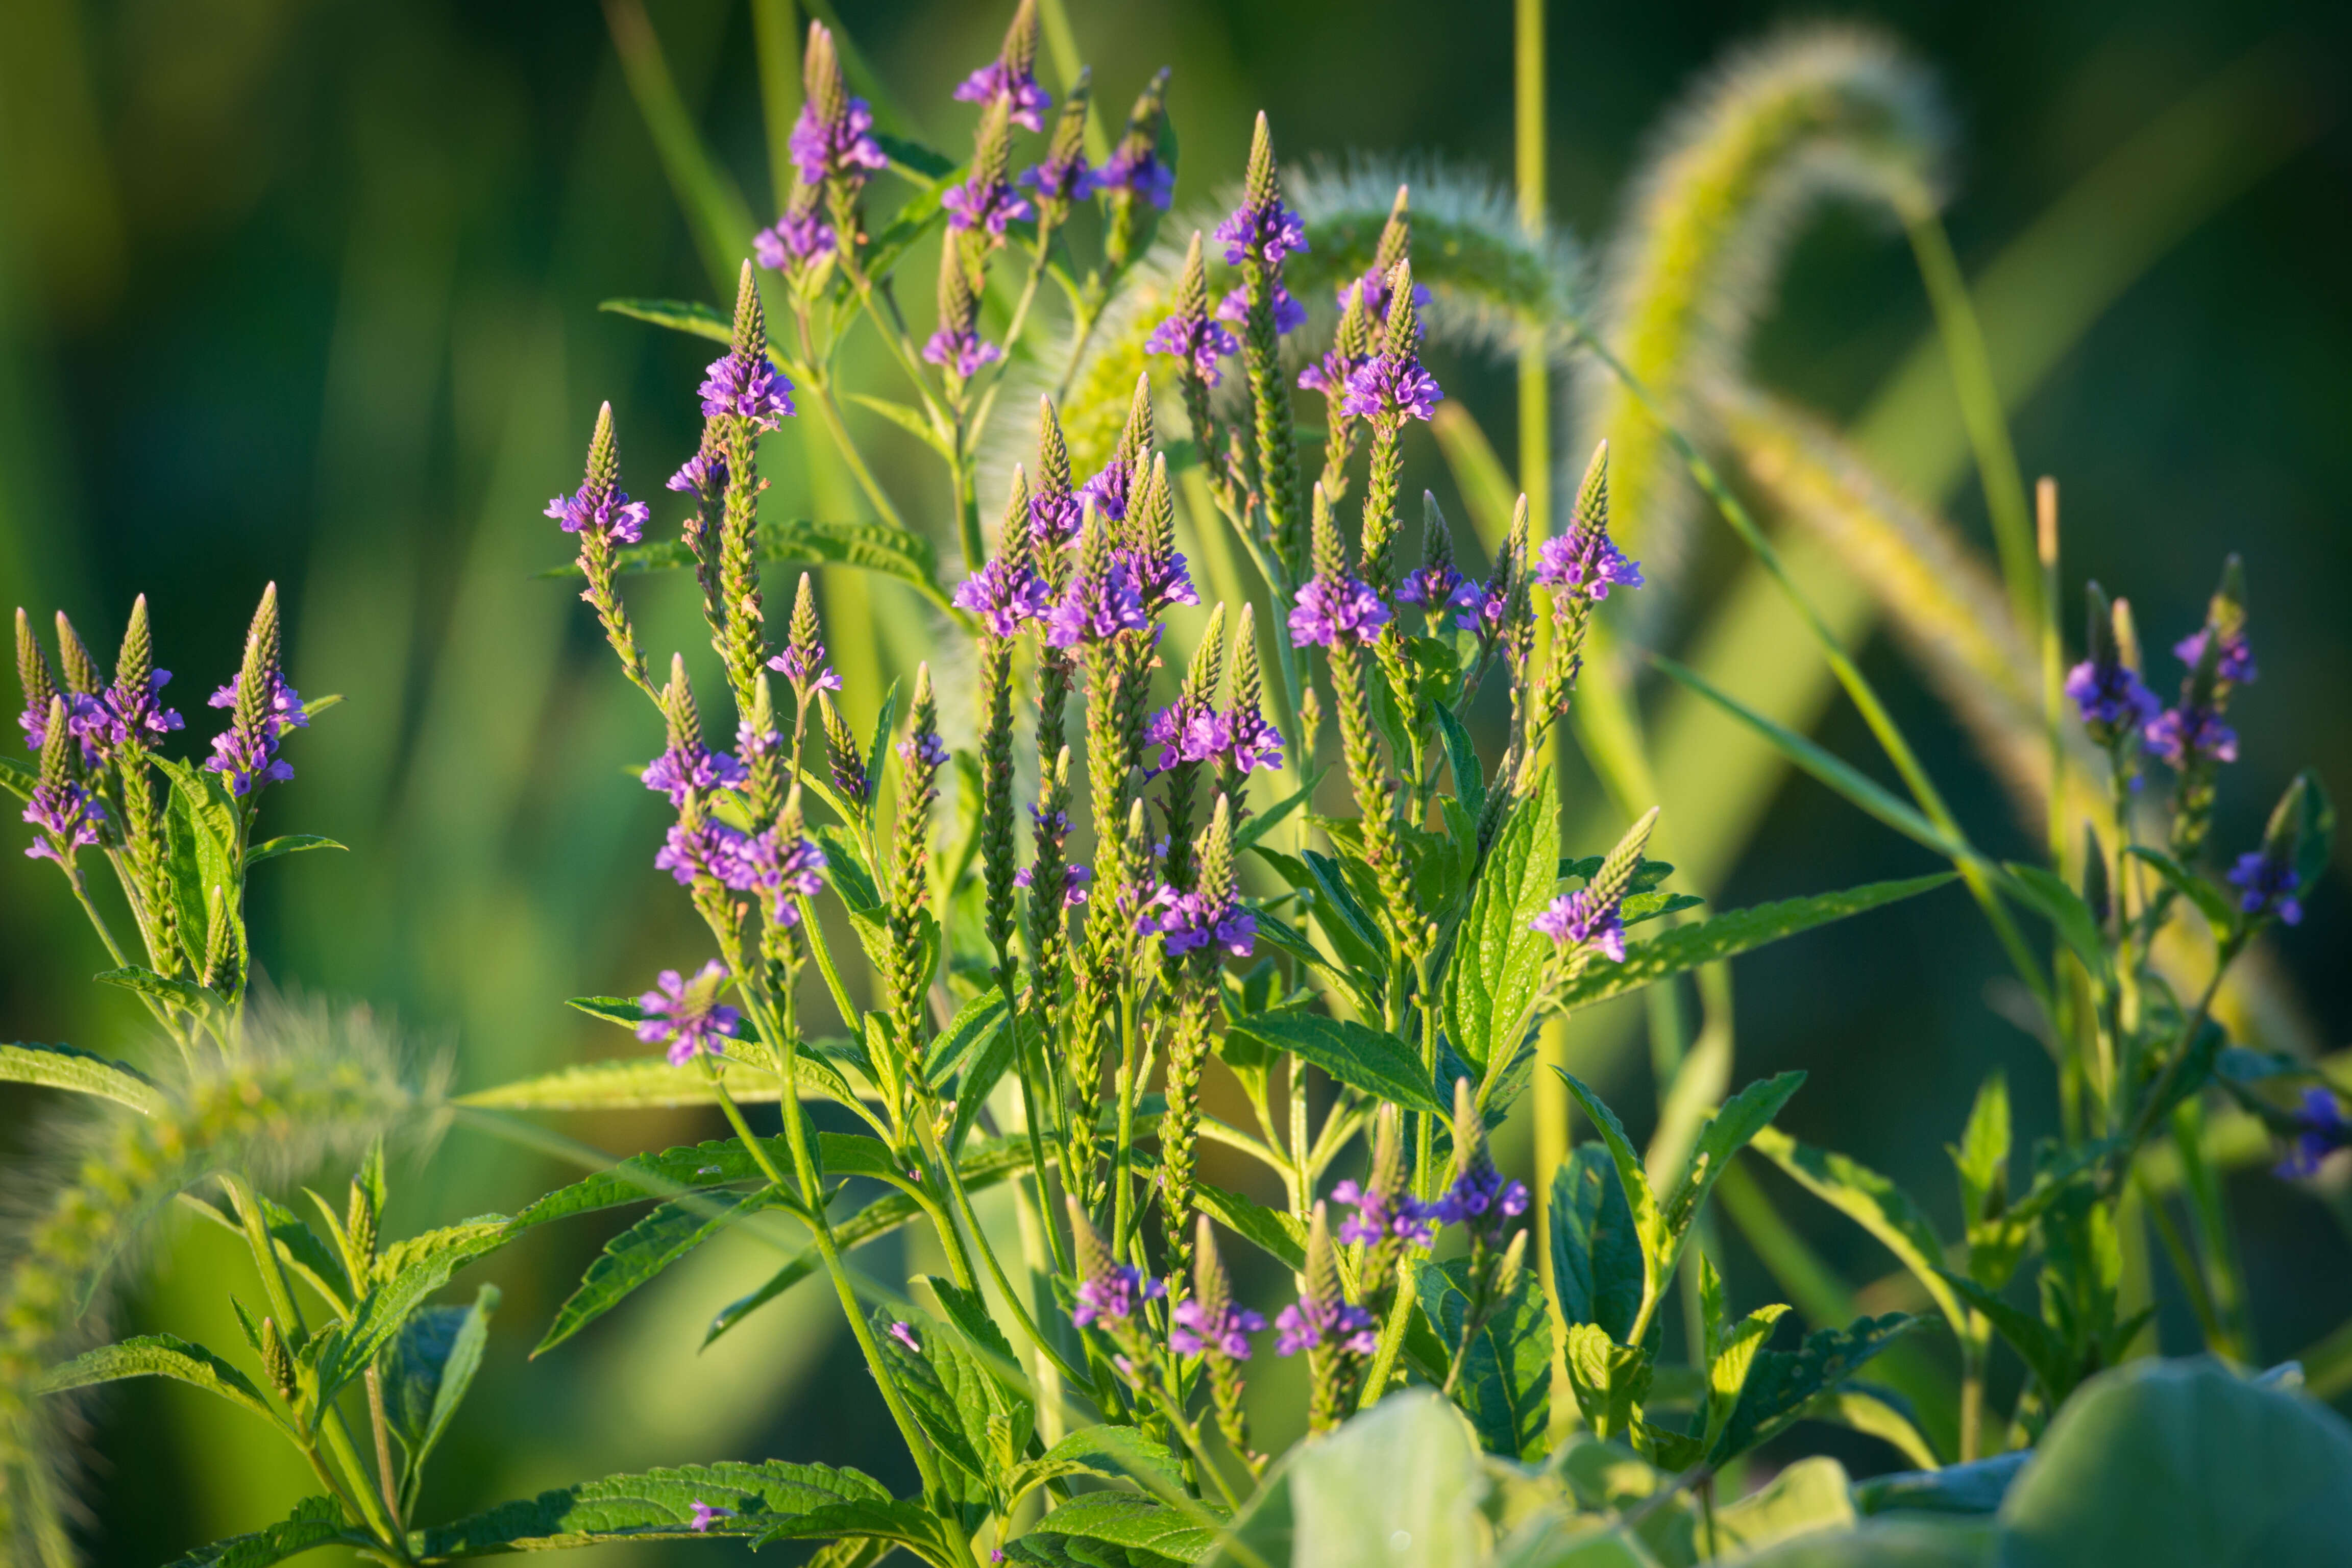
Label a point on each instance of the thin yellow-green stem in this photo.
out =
(1980, 406)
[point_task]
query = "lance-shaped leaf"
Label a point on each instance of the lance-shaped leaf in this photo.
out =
(18, 779)
(1462, 758)
(1498, 958)
(658, 1505)
(1112, 1453)
(945, 1391)
(2211, 903)
(158, 1355)
(1873, 1201)
(1781, 1384)
(432, 1365)
(288, 844)
(1503, 1382)
(1727, 1132)
(1730, 1349)
(65, 1067)
(666, 1174)
(1610, 1381)
(641, 1083)
(1732, 933)
(1650, 1226)
(691, 317)
(2041, 1347)
(1138, 1524)
(974, 1026)
(1378, 1063)
(315, 1521)
(2047, 892)
(639, 1254)
(1597, 1261)
(900, 1523)
(406, 1275)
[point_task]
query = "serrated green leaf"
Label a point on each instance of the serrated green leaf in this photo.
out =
(639, 1254)
(1649, 1224)
(1380, 1064)
(944, 1390)
(1461, 759)
(2046, 892)
(1730, 1351)
(1129, 1519)
(18, 779)
(1502, 1380)
(84, 1072)
(1597, 1264)
(406, 1274)
(656, 1506)
(1341, 917)
(1113, 1453)
(904, 1522)
(1727, 1132)
(315, 1521)
(185, 994)
(2210, 901)
(307, 1252)
(1498, 960)
(288, 844)
(689, 316)
(1729, 934)
(644, 1083)
(432, 1365)
(689, 1168)
(975, 1025)
(158, 1355)
(1264, 822)
(1781, 1384)
(1874, 1203)
(1275, 1234)
(1610, 1381)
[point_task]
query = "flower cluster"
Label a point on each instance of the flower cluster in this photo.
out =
(2321, 1130)
(1337, 608)
(746, 386)
(66, 817)
(685, 1015)
(1195, 1329)
(1075, 878)
(1266, 229)
(836, 146)
(1005, 593)
(690, 765)
(246, 751)
(1187, 921)
(1585, 563)
(1582, 919)
(1112, 1295)
(1313, 1321)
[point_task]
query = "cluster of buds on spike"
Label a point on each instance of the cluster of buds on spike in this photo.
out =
(1139, 181)
(1111, 1297)
(1363, 312)
(686, 1017)
(1063, 178)
(1258, 236)
(1337, 1335)
(834, 155)
(262, 706)
(1590, 922)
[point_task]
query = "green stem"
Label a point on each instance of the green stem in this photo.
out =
(1004, 1286)
(831, 411)
(339, 1443)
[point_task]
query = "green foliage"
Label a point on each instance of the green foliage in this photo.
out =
(1497, 965)
(1503, 1370)
(84, 1072)
(657, 1505)
(1379, 1064)
(158, 1355)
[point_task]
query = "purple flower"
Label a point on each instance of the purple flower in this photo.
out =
(1579, 919)
(2189, 734)
(1003, 594)
(1256, 743)
(1014, 86)
(1327, 611)
(2269, 883)
(904, 1335)
(687, 1014)
(1185, 921)
(794, 239)
(1310, 1322)
(1269, 231)
(1095, 610)
(120, 714)
(1159, 577)
(1108, 490)
(2111, 697)
(1075, 878)
(784, 869)
(705, 848)
(1481, 606)
(840, 148)
(1290, 315)
(66, 815)
(1195, 339)
(804, 666)
(1142, 174)
(1113, 1297)
(250, 759)
(2236, 664)
(1390, 389)
(601, 508)
(1194, 1331)
(981, 203)
(923, 749)
(704, 1513)
(692, 766)
(1382, 1215)
(960, 351)
(1329, 375)
(2323, 1131)
(1372, 289)
(1586, 561)
(1435, 587)
(1061, 180)
(1189, 730)
(703, 475)
(747, 389)
(1476, 1194)
(1057, 518)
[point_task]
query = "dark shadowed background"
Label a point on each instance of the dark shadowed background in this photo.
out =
(306, 291)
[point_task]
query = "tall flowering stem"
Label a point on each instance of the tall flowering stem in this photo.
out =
(1387, 391)
(1261, 232)
(743, 395)
(1190, 732)
(1197, 342)
(1363, 303)
(1197, 929)
(1578, 568)
(602, 514)
(921, 755)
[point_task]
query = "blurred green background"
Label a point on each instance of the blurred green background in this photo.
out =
(306, 291)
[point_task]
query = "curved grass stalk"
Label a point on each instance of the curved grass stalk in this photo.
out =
(309, 1084)
(1808, 115)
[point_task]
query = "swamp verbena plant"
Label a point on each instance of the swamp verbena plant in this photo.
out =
(1158, 859)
